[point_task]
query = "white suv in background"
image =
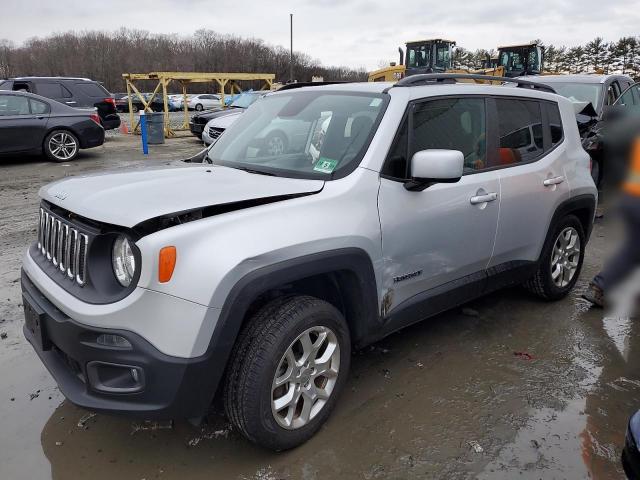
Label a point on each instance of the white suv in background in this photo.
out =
(253, 276)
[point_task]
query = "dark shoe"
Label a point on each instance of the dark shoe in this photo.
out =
(595, 295)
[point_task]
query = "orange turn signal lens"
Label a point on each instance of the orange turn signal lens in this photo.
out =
(166, 263)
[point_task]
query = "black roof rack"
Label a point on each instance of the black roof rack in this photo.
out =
(291, 86)
(434, 78)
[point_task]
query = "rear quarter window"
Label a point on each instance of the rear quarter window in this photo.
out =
(93, 90)
(555, 123)
(6, 85)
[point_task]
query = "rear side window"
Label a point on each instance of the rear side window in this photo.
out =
(555, 123)
(38, 107)
(93, 89)
(520, 131)
(52, 90)
(6, 85)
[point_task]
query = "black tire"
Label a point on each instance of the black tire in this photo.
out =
(199, 107)
(134, 108)
(256, 357)
(542, 284)
(50, 142)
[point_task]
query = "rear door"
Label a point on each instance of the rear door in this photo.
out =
(533, 182)
(56, 91)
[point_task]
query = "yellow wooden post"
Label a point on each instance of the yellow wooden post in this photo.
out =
(185, 107)
(167, 125)
(131, 125)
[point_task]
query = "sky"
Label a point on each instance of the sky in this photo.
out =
(356, 33)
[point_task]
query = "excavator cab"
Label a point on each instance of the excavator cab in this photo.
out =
(429, 56)
(520, 60)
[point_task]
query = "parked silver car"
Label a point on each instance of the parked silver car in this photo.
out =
(253, 276)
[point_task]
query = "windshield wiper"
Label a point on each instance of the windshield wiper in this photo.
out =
(258, 172)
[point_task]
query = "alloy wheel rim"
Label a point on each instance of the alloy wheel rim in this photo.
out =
(62, 146)
(275, 146)
(565, 257)
(305, 378)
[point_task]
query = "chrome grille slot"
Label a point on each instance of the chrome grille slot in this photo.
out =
(81, 254)
(63, 245)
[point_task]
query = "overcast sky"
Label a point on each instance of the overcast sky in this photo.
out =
(338, 32)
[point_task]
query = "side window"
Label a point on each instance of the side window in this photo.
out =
(13, 105)
(630, 97)
(555, 123)
(613, 92)
(396, 165)
(452, 124)
(38, 107)
(520, 131)
(52, 90)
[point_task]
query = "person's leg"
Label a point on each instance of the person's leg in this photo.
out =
(624, 262)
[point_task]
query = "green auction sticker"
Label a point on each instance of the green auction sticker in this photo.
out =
(325, 165)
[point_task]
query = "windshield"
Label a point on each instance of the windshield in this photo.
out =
(580, 92)
(245, 100)
(301, 134)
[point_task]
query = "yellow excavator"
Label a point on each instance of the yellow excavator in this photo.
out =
(435, 56)
(422, 56)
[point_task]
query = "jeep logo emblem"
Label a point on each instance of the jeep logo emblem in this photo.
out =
(60, 195)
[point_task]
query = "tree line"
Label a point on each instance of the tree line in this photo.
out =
(105, 56)
(622, 56)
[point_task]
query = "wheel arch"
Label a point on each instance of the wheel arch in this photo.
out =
(582, 206)
(344, 277)
(61, 127)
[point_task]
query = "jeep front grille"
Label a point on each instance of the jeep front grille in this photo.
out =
(64, 246)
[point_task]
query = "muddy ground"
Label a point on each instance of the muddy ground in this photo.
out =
(509, 387)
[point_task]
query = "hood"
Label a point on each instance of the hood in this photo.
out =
(207, 115)
(225, 121)
(129, 198)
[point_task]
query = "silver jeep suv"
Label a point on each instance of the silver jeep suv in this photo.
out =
(251, 277)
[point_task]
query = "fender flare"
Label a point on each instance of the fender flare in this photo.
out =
(253, 284)
(581, 202)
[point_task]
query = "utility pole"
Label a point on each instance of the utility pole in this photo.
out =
(291, 48)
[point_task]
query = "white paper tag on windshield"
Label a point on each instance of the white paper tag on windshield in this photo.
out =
(375, 102)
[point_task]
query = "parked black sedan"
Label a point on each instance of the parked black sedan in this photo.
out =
(33, 124)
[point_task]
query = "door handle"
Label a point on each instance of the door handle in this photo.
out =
(71, 102)
(550, 182)
(479, 199)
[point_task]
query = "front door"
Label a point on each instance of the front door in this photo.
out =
(444, 235)
(20, 130)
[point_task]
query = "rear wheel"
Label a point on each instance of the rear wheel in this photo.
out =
(561, 260)
(287, 370)
(61, 146)
(199, 107)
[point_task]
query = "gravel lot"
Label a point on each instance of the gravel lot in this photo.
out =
(508, 387)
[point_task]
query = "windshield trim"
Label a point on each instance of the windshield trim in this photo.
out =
(336, 175)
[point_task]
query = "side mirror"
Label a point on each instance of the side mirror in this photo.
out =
(435, 166)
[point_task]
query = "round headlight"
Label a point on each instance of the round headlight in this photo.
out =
(124, 263)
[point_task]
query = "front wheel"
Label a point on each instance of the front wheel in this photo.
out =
(61, 146)
(561, 260)
(286, 371)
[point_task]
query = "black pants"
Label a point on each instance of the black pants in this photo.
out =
(627, 258)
